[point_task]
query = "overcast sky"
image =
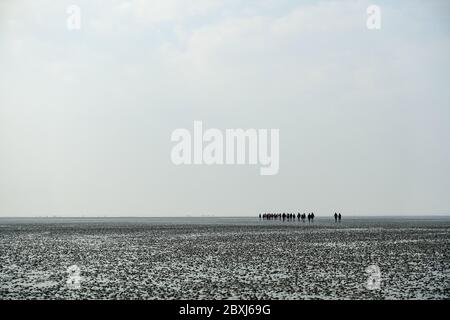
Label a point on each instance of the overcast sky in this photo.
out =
(86, 115)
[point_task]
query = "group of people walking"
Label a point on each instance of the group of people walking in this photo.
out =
(292, 216)
(287, 216)
(337, 217)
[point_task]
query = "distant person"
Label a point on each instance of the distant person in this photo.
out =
(309, 217)
(312, 216)
(303, 217)
(284, 216)
(335, 217)
(260, 216)
(339, 217)
(298, 216)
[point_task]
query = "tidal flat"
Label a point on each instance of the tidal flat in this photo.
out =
(224, 258)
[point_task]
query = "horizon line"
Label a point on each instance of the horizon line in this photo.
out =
(231, 216)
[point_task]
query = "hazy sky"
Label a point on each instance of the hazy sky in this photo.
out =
(86, 115)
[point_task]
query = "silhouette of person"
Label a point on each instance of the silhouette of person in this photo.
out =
(260, 216)
(340, 217)
(309, 217)
(312, 216)
(298, 216)
(335, 217)
(284, 216)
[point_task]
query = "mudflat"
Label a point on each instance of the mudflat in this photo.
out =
(224, 258)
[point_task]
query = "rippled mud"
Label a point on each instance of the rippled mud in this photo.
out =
(242, 260)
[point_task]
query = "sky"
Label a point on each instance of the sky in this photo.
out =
(86, 115)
